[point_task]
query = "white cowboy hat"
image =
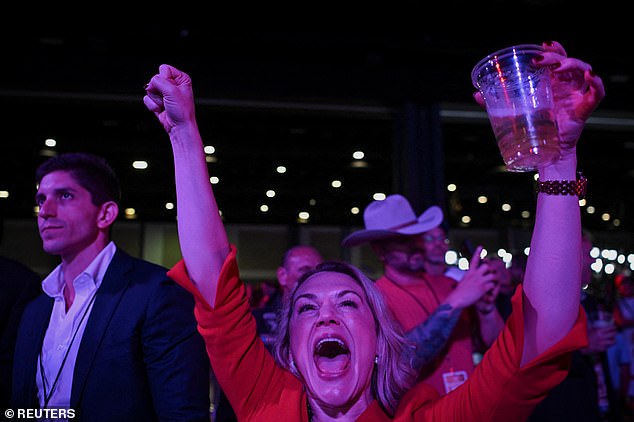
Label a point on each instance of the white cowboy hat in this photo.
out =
(392, 217)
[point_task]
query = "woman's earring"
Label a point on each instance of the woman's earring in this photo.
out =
(376, 359)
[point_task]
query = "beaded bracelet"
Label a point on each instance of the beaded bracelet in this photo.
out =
(564, 187)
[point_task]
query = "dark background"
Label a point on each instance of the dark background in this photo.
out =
(305, 100)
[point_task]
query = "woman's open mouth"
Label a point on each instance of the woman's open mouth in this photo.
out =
(332, 356)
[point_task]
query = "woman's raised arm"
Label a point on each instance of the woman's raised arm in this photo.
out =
(202, 236)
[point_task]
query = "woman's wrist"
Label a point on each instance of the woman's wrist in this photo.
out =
(184, 136)
(564, 169)
(576, 186)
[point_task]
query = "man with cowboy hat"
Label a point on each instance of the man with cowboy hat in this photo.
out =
(429, 308)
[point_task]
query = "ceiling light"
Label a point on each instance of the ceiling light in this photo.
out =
(140, 165)
(47, 153)
(359, 164)
(130, 213)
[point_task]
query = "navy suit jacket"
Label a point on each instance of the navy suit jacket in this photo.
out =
(140, 358)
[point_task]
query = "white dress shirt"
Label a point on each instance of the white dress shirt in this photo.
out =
(59, 351)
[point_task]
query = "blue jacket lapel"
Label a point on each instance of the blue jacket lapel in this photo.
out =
(112, 288)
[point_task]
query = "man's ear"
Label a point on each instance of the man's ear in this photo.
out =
(282, 276)
(107, 214)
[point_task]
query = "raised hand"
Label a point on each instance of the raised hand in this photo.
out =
(169, 96)
(474, 285)
(577, 92)
(202, 237)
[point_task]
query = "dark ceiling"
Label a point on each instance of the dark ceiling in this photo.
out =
(305, 100)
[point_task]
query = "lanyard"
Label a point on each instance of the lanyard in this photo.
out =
(47, 396)
(412, 296)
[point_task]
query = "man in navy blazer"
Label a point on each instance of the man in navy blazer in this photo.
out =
(112, 338)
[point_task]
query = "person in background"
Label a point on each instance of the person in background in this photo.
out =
(586, 394)
(487, 305)
(435, 247)
(271, 291)
(253, 295)
(514, 277)
(297, 261)
(624, 320)
(619, 361)
(435, 311)
(337, 357)
(19, 285)
(505, 284)
(112, 337)
(517, 270)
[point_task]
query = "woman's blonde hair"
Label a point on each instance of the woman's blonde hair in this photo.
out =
(392, 375)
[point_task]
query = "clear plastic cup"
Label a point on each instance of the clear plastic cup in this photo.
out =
(519, 103)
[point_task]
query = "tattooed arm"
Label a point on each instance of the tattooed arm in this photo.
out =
(430, 337)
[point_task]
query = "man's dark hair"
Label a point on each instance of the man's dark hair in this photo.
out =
(93, 173)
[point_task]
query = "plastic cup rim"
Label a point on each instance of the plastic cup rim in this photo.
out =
(500, 53)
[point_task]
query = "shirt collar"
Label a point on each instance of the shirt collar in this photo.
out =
(53, 284)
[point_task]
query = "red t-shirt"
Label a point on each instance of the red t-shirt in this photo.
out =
(412, 305)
